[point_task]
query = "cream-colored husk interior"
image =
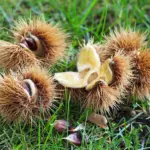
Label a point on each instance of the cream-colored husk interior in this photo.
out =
(90, 71)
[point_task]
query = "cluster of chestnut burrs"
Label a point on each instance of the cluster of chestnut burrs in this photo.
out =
(27, 90)
(106, 73)
(110, 72)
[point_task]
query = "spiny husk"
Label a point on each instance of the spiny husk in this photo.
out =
(16, 105)
(103, 97)
(122, 70)
(129, 41)
(51, 38)
(14, 56)
(141, 87)
(77, 95)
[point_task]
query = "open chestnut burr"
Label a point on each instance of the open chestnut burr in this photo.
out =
(27, 95)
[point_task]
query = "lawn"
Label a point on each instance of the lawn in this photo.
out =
(83, 19)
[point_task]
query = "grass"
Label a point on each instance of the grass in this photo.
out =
(82, 19)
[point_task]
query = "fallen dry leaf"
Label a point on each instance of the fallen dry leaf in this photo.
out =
(98, 120)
